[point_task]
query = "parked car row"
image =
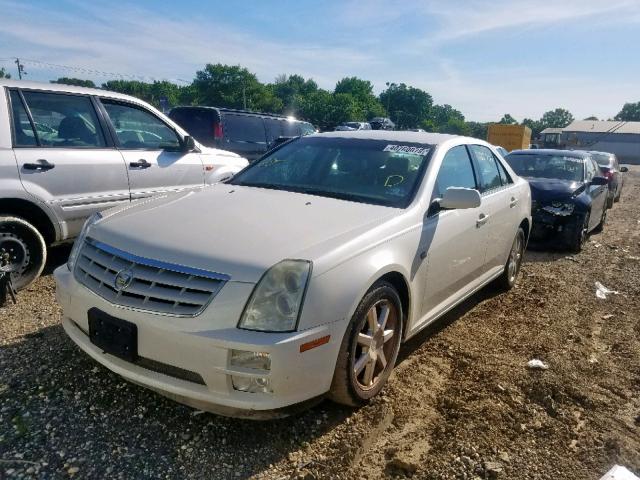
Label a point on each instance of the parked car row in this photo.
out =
(300, 277)
(571, 192)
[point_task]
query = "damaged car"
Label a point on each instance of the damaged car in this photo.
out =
(569, 195)
(301, 276)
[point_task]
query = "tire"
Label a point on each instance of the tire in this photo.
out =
(616, 199)
(600, 227)
(354, 389)
(580, 235)
(507, 280)
(610, 200)
(23, 251)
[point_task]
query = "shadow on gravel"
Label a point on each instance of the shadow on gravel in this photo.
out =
(56, 256)
(443, 322)
(60, 408)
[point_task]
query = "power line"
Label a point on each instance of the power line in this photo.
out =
(90, 71)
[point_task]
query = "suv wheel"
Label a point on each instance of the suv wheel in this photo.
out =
(369, 348)
(23, 251)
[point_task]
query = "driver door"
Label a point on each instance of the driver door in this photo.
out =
(152, 151)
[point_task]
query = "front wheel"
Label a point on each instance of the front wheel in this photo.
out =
(23, 251)
(370, 347)
(580, 234)
(603, 219)
(507, 280)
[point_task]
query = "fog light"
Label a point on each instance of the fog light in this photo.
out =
(255, 360)
(251, 385)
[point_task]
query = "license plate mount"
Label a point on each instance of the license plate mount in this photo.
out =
(113, 335)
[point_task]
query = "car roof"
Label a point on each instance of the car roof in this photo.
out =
(238, 111)
(552, 151)
(396, 136)
(60, 87)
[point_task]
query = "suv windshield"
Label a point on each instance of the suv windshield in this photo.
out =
(370, 171)
(547, 166)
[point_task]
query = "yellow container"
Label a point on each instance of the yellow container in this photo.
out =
(510, 137)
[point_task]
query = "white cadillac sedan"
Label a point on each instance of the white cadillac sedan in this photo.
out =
(301, 276)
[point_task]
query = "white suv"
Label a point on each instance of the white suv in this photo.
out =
(67, 152)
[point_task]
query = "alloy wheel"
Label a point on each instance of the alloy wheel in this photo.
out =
(374, 345)
(515, 258)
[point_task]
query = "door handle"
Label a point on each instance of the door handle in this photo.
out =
(482, 219)
(142, 163)
(41, 165)
(514, 202)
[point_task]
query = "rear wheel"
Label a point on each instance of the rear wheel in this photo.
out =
(508, 278)
(580, 234)
(23, 251)
(369, 348)
(603, 219)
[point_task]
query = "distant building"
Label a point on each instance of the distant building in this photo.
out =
(550, 137)
(621, 138)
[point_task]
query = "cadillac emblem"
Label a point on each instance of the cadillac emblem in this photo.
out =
(123, 280)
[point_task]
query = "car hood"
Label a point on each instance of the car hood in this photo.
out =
(550, 188)
(235, 230)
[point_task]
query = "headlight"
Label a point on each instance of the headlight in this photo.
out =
(276, 301)
(560, 208)
(71, 262)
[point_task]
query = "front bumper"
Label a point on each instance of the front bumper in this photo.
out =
(548, 228)
(188, 359)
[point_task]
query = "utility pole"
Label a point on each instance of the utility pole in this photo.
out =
(244, 96)
(20, 68)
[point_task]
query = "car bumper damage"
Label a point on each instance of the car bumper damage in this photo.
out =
(548, 227)
(228, 371)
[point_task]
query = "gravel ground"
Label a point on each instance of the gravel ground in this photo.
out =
(462, 403)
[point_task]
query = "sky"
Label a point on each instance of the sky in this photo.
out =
(484, 57)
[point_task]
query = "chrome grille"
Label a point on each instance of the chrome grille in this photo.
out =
(153, 286)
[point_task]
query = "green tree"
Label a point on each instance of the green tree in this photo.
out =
(234, 87)
(558, 118)
(442, 117)
(407, 106)
(326, 110)
(630, 113)
(362, 92)
(507, 119)
(535, 126)
(290, 90)
(153, 92)
(4, 73)
(477, 130)
(78, 82)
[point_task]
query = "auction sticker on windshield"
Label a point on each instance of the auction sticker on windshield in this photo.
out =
(405, 149)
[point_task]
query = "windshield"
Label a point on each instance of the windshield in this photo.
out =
(547, 166)
(361, 170)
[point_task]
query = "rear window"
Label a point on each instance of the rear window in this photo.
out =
(244, 128)
(603, 160)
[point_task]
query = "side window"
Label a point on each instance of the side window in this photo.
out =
(244, 128)
(456, 171)
(24, 135)
(273, 128)
(64, 121)
(489, 174)
(138, 129)
(291, 129)
(504, 176)
(591, 169)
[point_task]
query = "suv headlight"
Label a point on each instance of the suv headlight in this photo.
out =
(560, 208)
(276, 301)
(73, 256)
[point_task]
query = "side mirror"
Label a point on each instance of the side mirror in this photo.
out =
(624, 169)
(599, 181)
(188, 144)
(455, 197)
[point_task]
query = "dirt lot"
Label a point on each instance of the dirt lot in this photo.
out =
(462, 403)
